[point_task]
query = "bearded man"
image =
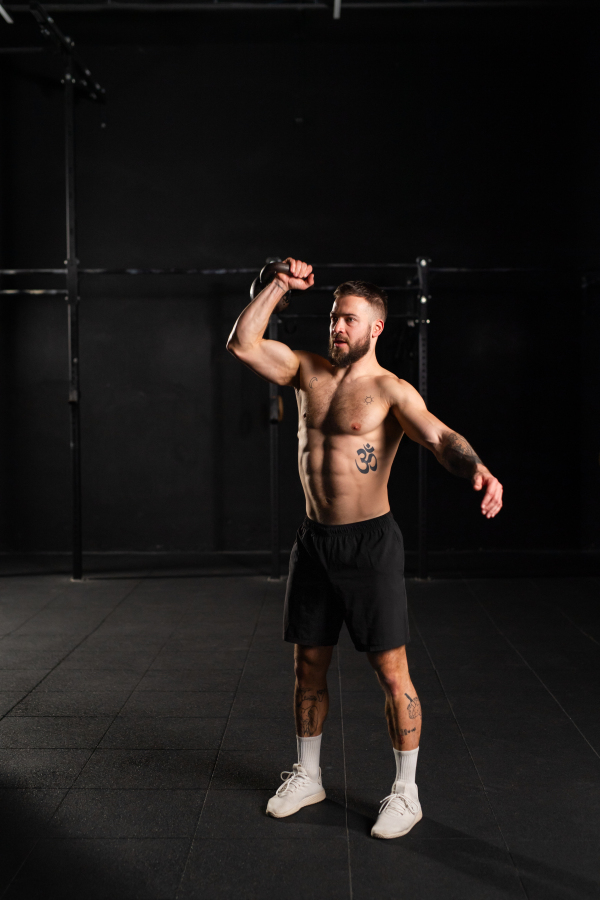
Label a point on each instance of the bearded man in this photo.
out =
(347, 564)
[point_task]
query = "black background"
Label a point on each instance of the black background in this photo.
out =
(467, 135)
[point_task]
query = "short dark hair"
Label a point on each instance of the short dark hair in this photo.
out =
(376, 296)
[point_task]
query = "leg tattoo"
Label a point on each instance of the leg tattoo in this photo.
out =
(310, 710)
(414, 706)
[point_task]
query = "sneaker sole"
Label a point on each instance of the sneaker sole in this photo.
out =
(316, 798)
(399, 833)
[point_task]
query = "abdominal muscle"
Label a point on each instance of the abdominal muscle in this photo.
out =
(342, 486)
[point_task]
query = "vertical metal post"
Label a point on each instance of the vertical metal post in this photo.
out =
(73, 317)
(274, 462)
(423, 321)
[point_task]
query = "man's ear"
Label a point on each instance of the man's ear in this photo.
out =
(377, 328)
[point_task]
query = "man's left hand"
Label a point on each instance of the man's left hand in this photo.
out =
(492, 500)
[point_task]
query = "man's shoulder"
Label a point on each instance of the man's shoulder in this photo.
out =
(393, 387)
(312, 360)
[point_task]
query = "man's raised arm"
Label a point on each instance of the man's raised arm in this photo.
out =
(269, 359)
(449, 448)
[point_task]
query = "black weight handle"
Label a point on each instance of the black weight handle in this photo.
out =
(271, 269)
(267, 273)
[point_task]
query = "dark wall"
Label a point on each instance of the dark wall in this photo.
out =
(468, 136)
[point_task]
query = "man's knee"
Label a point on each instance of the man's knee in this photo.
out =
(391, 668)
(311, 663)
(392, 683)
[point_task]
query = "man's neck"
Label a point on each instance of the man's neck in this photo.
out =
(366, 366)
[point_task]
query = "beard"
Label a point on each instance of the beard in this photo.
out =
(341, 358)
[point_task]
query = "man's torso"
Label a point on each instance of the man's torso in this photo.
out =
(347, 440)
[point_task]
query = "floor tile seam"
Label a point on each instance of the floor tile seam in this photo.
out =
(208, 787)
(561, 611)
(63, 658)
(68, 790)
(36, 841)
(536, 675)
(114, 790)
(474, 764)
(140, 679)
(143, 691)
(32, 616)
(350, 887)
(95, 747)
(110, 715)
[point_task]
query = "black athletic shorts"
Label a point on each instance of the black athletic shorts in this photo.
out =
(347, 573)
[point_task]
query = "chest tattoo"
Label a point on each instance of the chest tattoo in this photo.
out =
(311, 383)
(368, 460)
(368, 399)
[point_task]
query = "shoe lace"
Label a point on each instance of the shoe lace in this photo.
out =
(398, 804)
(292, 781)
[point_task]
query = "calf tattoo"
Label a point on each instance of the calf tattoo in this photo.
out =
(307, 710)
(414, 707)
(367, 458)
(458, 456)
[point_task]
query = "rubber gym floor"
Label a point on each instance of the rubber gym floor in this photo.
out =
(146, 722)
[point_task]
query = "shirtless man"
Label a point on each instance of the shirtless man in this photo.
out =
(347, 564)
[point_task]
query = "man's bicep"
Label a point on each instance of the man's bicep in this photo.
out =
(272, 360)
(417, 422)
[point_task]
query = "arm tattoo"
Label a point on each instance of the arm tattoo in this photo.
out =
(458, 456)
(414, 707)
(307, 710)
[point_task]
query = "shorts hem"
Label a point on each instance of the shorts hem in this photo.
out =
(382, 649)
(309, 643)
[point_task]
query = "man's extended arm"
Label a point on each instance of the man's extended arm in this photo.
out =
(449, 448)
(270, 359)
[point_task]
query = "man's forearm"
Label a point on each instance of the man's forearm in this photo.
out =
(456, 454)
(250, 327)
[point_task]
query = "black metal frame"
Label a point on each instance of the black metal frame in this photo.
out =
(422, 366)
(77, 78)
(73, 271)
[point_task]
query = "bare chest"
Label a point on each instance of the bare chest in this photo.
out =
(333, 409)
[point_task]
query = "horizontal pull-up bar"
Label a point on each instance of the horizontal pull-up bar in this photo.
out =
(221, 271)
(31, 291)
(329, 289)
(465, 270)
(235, 5)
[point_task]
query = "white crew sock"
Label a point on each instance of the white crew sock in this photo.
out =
(406, 765)
(309, 750)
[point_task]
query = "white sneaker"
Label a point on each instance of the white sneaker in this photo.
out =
(297, 790)
(399, 812)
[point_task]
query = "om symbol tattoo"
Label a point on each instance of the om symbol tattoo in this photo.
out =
(367, 458)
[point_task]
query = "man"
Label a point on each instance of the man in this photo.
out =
(347, 563)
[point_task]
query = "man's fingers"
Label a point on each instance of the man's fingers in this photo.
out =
(492, 502)
(299, 269)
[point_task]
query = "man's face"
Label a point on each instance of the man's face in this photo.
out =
(349, 331)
